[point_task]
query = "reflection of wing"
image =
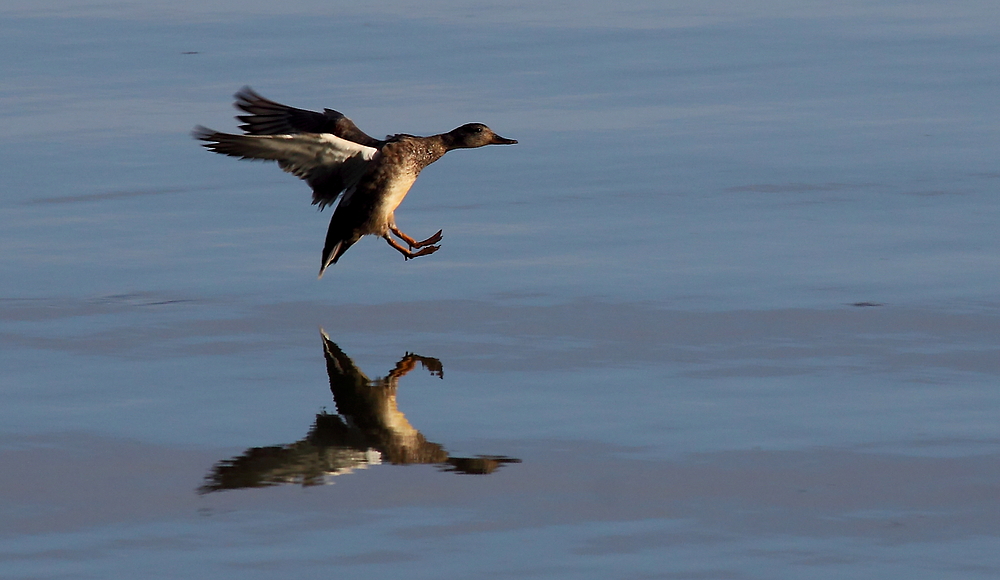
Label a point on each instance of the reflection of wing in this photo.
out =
(267, 117)
(478, 465)
(327, 450)
(326, 162)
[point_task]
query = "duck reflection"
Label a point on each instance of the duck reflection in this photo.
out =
(368, 429)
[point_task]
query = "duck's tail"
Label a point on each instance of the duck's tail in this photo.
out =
(338, 240)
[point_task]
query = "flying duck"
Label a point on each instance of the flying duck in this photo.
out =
(333, 155)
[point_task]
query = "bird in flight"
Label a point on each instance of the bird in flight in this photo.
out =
(333, 156)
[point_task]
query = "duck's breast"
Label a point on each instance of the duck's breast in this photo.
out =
(399, 167)
(396, 188)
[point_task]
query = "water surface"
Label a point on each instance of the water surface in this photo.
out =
(728, 309)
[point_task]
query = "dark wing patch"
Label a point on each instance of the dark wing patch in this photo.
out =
(267, 117)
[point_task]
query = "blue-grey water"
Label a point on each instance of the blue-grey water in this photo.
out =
(729, 309)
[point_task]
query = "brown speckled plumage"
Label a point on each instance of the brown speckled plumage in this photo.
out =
(334, 156)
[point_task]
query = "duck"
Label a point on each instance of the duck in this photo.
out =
(371, 177)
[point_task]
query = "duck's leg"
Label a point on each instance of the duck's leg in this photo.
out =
(409, 254)
(414, 243)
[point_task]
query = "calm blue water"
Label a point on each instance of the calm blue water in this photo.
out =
(731, 301)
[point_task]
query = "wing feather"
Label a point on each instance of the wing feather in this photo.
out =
(267, 117)
(329, 164)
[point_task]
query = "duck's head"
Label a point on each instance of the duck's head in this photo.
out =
(474, 135)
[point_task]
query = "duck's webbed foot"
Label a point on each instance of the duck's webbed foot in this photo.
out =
(409, 254)
(431, 240)
(414, 243)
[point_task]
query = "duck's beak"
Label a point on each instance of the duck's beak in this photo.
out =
(498, 140)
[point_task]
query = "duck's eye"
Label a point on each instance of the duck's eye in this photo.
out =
(477, 129)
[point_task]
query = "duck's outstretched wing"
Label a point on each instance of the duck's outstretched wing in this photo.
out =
(326, 162)
(267, 117)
